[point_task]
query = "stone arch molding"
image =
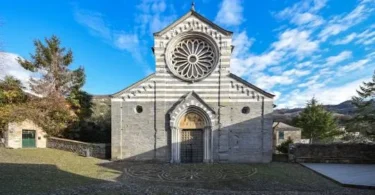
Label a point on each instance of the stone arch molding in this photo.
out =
(192, 104)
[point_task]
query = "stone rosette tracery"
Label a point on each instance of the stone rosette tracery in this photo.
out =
(192, 57)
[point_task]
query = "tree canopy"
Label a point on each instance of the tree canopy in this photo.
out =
(364, 119)
(316, 122)
(11, 91)
(51, 62)
(59, 101)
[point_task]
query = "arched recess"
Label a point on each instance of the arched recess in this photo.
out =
(199, 119)
(192, 103)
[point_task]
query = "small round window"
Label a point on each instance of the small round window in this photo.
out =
(245, 110)
(139, 109)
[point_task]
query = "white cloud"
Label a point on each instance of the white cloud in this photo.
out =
(296, 72)
(340, 24)
(296, 41)
(354, 65)
(242, 43)
(94, 22)
(126, 41)
(277, 95)
(307, 18)
(285, 65)
(286, 78)
(304, 64)
(303, 13)
(230, 13)
(333, 60)
(325, 95)
(267, 82)
(10, 66)
(153, 16)
(346, 39)
(291, 43)
(149, 20)
(366, 37)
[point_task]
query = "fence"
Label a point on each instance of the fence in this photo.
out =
(332, 153)
(80, 148)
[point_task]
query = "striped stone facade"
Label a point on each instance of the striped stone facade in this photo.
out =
(230, 134)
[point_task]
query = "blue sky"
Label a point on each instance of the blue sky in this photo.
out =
(294, 49)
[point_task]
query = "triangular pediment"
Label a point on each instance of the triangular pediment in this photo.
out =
(193, 99)
(199, 17)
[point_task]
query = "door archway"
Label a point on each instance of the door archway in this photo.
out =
(191, 126)
(191, 136)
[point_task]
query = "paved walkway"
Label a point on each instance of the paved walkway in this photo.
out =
(360, 175)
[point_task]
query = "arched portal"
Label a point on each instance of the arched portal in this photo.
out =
(191, 136)
(191, 126)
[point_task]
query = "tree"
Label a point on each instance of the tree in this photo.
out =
(80, 102)
(316, 122)
(54, 111)
(284, 146)
(11, 96)
(364, 118)
(51, 62)
(11, 91)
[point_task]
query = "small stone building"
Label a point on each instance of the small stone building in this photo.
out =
(192, 109)
(282, 131)
(25, 134)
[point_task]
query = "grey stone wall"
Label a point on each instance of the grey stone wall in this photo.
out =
(80, 148)
(332, 153)
(146, 136)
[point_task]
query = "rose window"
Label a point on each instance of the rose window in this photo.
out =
(192, 59)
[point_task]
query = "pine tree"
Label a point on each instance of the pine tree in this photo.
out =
(364, 119)
(51, 62)
(58, 86)
(316, 122)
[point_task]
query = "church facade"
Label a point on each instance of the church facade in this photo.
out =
(192, 109)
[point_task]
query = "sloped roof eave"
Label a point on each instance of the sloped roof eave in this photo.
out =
(270, 95)
(117, 94)
(196, 14)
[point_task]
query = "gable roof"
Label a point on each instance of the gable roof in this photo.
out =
(117, 94)
(280, 126)
(196, 14)
(239, 79)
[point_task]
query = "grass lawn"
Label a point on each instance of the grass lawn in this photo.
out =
(41, 170)
(26, 171)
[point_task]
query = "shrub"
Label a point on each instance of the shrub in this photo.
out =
(284, 147)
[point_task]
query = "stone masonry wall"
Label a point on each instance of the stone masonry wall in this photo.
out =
(332, 153)
(245, 137)
(80, 148)
(13, 135)
(144, 136)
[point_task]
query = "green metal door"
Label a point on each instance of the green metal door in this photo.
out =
(28, 139)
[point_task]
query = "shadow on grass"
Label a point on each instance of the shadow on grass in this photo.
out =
(39, 178)
(262, 177)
